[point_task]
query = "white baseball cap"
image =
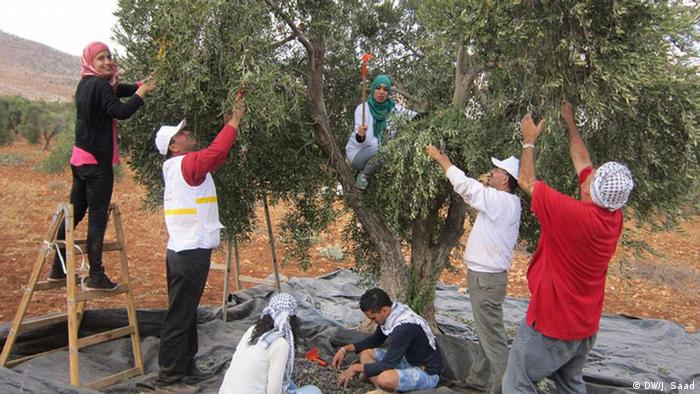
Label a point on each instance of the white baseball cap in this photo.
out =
(511, 165)
(164, 134)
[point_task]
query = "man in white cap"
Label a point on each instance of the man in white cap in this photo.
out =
(567, 273)
(192, 218)
(488, 257)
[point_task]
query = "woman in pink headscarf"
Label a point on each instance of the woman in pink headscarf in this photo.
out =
(98, 105)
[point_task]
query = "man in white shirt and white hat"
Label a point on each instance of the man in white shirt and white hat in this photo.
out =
(192, 218)
(488, 257)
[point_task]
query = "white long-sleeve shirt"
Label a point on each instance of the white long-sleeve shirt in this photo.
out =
(495, 230)
(352, 146)
(254, 369)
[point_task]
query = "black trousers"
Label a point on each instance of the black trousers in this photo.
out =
(91, 192)
(187, 273)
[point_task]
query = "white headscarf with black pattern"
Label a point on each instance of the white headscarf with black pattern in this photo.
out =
(280, 308)
(401, 314)
(611, 185)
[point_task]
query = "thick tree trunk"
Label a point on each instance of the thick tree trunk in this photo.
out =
(394, 273)
(430, 258)
(47, 139)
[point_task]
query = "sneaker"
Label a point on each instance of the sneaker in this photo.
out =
(56, 274)
(99, 282)
(361, 181)
(176, 388)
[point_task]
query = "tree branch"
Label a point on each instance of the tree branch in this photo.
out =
(454, 227)
(465, 73)
(297, 32)
(398, 87)
(278, 44)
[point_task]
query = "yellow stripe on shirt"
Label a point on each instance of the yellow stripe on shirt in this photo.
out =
(181, 211)
(204, 200)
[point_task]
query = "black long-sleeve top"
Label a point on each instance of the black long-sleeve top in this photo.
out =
(407, 340)
(96, 105)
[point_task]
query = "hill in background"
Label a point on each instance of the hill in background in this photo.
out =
(36, 71)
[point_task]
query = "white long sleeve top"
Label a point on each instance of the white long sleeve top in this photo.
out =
(352, 146)
(254, 369)
(495, 230)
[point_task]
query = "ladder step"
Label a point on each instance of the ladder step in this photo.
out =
(46, 285)
(109, 246)
(220, 267)
(104, 336)
(116, 378)
(36, 322)
(20, 360)
(93, 295)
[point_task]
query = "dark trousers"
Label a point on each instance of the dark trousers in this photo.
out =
(187, 273)
(91, 191)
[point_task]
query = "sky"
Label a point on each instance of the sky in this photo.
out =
(67, 25)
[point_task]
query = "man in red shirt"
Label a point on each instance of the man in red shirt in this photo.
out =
(567, 273)
(192, 218)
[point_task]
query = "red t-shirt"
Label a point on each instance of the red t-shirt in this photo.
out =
(196, 165)
(567, 273)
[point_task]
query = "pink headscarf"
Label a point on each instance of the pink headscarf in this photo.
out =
(80, 156)
(89, 54)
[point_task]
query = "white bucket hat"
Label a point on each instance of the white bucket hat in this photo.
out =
(511, 165)
(165, 134)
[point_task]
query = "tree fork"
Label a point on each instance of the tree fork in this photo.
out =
(394, 273)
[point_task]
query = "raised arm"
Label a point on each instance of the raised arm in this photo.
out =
(577, 148)
(526, 176)
(439, 157)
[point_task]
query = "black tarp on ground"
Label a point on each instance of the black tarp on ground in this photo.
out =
(627, 350)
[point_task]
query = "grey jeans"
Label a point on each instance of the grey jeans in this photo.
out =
(487, 291)
(534, 357)
(362, 161)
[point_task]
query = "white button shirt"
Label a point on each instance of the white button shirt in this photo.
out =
(495, 230)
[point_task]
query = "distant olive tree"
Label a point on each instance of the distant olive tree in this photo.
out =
(11, 108)
(42, 121)
(6, 136)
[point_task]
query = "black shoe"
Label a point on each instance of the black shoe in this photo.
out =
(176, 388)
(196, 376)
(56, 274)
(99, 282)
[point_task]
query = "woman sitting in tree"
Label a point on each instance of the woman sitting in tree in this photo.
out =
(369, 133)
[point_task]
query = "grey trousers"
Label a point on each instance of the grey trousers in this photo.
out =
(487, 291)
(534, 357)
(362, 162)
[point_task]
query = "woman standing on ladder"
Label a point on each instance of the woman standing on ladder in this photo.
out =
(98, 106)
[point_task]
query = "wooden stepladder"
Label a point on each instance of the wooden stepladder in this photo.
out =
(76, 300)
(232, 251)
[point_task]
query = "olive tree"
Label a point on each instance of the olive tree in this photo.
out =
(472, 68)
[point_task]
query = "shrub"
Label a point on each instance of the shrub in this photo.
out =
(59, 159)
(11, 159)
(334, 253)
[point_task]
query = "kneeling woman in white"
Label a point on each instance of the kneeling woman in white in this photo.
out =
(264, 358)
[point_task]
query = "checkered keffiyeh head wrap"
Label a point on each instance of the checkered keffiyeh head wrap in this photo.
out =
(401, 314)
(280, 308)
(611, 185)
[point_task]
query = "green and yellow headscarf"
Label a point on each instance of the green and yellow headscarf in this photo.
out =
(380, 111)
